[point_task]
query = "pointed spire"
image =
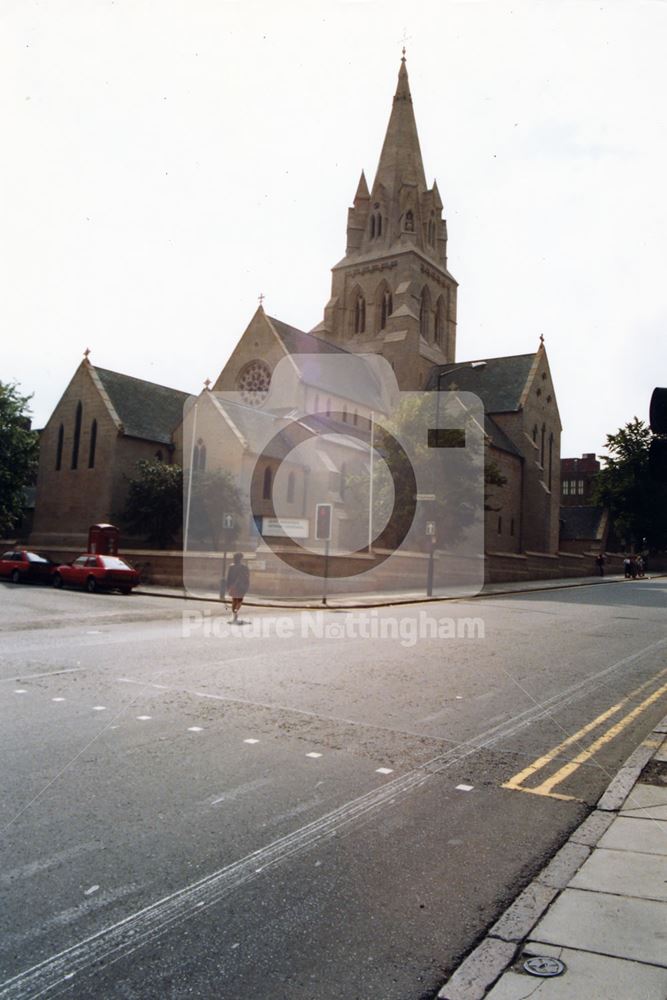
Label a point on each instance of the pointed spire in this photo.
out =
(401, 158)
(362, 189)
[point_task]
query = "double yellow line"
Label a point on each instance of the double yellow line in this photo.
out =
(517, 783)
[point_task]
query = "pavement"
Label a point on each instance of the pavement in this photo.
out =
(388, 599)
(593, 924)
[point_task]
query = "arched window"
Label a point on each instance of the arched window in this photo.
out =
(77, 435)
(344, 414)
(159, 457)
(551, 458)
(199, 457)
(439, 331)
(409, 221)
(544, 431)
(386, 308)
(360, 314)
(535, 434)
(431, 230)
(291, 480)
(267, 483)
(379, 225)
(355, 418)
(372, 227)
(425, 314)
(59, 448)
(93, 444)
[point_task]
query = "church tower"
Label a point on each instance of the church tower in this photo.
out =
(392, 293)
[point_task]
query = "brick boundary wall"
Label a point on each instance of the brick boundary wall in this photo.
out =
(408, 571)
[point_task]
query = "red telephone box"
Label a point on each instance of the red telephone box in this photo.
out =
(103, 539)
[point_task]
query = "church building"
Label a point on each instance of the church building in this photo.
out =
(393, 296)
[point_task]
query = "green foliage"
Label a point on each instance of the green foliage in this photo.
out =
(19, 447)
(637, 504)
(154, 507)
(214, 494)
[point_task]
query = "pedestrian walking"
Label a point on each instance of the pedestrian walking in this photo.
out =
(626, 567)
(600, 560)
(634, 569)
(238, 582)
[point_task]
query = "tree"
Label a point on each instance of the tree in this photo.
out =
(214, 495)
(19, 447)
(154, 506)
(636, 503)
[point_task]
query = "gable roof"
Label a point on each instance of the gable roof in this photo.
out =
(145, 409)
(298, 342)
(499, 383)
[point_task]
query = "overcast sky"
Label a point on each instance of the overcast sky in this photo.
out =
(165, 162)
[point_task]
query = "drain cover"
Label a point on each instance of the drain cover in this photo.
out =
(541, 965)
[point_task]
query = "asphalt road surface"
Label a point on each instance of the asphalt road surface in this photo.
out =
(290, 808)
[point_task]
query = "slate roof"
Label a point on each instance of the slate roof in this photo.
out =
(582, 522)
(145, 409)
(499, 383)
(298, 342)
(361, 381)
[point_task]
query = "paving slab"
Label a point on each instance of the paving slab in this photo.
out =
(607, 924)
(648, 800)
(661, 754)
(634, 833)
(587, 977)
(626, 873)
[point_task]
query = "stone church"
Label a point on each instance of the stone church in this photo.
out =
(392, 296)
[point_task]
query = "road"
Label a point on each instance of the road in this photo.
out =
(192, 810)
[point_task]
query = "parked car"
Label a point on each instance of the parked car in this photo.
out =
(97, 573)
(20, 565)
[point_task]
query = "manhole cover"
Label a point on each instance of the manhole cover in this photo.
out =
(541, 965)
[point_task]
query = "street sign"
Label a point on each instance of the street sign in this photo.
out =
(425, 496)
(295, 527)
(228, 521)
(323, 517)
(430, 527)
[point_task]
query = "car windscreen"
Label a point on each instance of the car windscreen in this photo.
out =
(34, 558)
(110, 562)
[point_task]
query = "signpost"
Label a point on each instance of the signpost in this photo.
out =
(227, 529)
(430, 533)
(323, 519)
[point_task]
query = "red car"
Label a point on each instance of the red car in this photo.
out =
(20, 565)
(97, 573)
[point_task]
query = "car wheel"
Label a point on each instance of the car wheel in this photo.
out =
(91, 585)
(57, 581)
(126, 590)
(16, 576)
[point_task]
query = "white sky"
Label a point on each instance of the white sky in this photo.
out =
(165, 161)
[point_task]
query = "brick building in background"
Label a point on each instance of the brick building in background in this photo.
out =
(577, 478)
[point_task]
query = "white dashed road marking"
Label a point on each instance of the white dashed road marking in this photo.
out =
(195, 729)
(384, 770)
(251, 741)
(464, 788)
(313, 754)
(143, 718)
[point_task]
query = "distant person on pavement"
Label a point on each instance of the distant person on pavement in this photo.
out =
(626, 567)
(238, 582)
(600, 563)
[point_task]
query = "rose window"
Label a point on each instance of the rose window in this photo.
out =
(253, 382)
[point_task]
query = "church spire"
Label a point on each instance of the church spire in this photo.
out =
(401, 158)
